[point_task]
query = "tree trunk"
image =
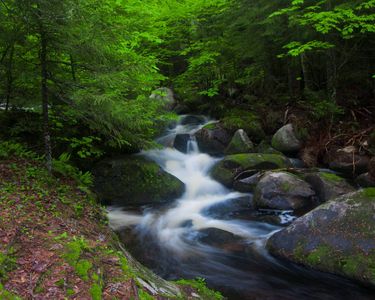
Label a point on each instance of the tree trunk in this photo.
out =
(307, 76)
(9, 78)
(331, 75)
(44, 93)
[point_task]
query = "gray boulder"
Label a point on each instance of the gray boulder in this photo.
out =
(213, 139)
(226, 170)
(285, 140)
(347, 161)
(240, 143)
(365, 180)
(134, 180)
(337, 237)
(282, 190)
(247, 184)
(328, 185)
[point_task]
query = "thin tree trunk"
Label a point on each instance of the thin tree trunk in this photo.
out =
(307, 76)
(331, 75)
(44, 93)
(9, 78)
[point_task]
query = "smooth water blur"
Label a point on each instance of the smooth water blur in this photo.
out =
(185, 239)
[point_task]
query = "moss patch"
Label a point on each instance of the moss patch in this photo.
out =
(331, 177)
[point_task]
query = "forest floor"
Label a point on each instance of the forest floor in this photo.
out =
(55, 242)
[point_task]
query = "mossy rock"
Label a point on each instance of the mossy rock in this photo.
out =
(240, 143)
(226, 170)
(328, 185)
(213, 139)
(284, 191)
(337, 237)
(134, 180)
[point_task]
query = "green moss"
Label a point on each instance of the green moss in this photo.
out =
(331, 177)
(6, 295)
(319, 255)
(200, 285)
(70, 292)
(82, 268)
(96, 292)
(210, 126)
(7, 263)
(368, 192)
(144, 296)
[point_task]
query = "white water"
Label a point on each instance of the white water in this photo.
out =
(201, 192)
(168, 238)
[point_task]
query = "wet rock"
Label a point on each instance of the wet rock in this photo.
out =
(226, 170)
(328, 185)
(285, 140)
(181, 142)
(284, 191)
(134, 180)
(226, 209)
(240, 143)
(247, 184)
(213, 139)
(347, 161)
(218, 238)
(337, 237)
(365, 180)
(297, 163)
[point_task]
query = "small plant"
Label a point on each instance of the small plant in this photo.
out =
(9, 148)
(7, 263)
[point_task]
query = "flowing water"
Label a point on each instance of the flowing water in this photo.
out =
(213, 233)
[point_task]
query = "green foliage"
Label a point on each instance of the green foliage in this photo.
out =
(63, 167)
(82, 268)
(7, 263)
(6, 295)
(96, 292)
(9, 148)
(74, 250)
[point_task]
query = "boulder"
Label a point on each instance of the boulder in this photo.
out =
(218, 238)
(336, 237)
(284, 191)
(365, 180)
(164, 95)
(240, 143)
(347, 161)
(226, 209)
(285, 140)
(328, 185)
(181, 142)
(226, 170)
(134, 180)
(213, 139)
(247, 184)
(371, 167)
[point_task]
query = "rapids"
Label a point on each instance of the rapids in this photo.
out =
(212, 232)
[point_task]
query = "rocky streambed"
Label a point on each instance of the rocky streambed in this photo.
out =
(251, 219)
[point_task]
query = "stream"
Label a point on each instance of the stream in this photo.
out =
(213, 233)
